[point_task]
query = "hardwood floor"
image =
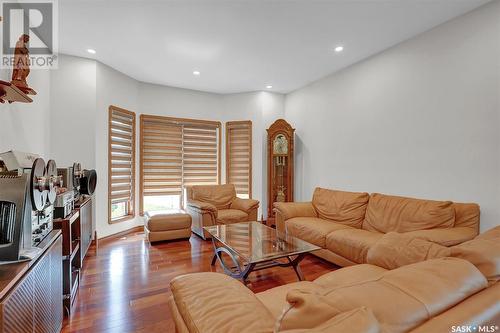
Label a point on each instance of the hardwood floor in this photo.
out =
(125, 286)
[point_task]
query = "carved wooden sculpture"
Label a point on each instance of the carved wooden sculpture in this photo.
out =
(21, 68)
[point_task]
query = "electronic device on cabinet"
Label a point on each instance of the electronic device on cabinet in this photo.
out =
(77, 182)
(26, 206)
(280, 154)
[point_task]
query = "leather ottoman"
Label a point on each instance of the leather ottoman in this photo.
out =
(159, 227)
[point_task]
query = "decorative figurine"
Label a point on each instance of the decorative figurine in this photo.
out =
(21, 68)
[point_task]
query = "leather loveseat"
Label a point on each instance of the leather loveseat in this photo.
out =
(217, 204)
(448, 294)
(346, 224)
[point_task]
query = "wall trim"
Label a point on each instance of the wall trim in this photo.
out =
(139, 228)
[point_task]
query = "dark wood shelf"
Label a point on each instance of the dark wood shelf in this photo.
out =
(11, 93)
(77, 232)
(76, 247)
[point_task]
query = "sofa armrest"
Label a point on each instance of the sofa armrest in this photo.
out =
(214, 302)
(287, 210)
(446, 237)
(202, 206)
(245, 205)
(295, 209)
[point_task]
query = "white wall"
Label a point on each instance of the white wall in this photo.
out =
(113, 88)
(23, 126)
(262, 108)
(72, 112)
(420, 119)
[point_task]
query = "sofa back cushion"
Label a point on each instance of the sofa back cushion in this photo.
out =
(406, 297)
(394, 250)
(342, 207)
(483, 252)
(317, 317)
(221, 196)
(391, 213)
(467, 215)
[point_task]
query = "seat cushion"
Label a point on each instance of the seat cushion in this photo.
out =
(340, 206)
(228, 216)
(274, 299)
(387, 213)
(352, 244)
(312, 229)
(166, 222)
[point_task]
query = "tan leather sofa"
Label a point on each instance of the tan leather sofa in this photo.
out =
(431, 296)
(217, 204)
(347, 224)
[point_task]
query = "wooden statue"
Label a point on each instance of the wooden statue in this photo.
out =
(21, 68)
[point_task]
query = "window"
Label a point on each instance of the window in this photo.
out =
(121, 164)
(176, 152)
(239, 156)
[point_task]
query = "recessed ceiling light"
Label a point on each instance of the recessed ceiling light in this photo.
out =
(269, 86)
(91, 51)
(196, 73)
(339, 48)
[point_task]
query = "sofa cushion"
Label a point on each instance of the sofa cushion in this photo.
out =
(484, 253)
(394, 250)
(228, 216)
(467, 215)
(360, 320)
(446, 236)
(305, 309)
(340, 206)
(312, 229)
(406, 297)
(349, 275)
(274, 299)
(492, 233)
(220, 196)
(352, 244)
(223, 299)
(391, 213)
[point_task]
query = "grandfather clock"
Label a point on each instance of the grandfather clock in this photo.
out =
(279, 165)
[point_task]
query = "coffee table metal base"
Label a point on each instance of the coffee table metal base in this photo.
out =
(240, 270)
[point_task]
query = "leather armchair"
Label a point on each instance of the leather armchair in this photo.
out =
(217, 204)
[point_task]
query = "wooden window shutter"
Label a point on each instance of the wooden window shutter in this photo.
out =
(239, 156)
(121, 162)
(177, 152)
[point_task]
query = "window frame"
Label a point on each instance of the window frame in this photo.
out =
(131, 202)
(182, 122)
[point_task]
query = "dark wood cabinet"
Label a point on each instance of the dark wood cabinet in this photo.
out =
(32, 300)
(77, 229)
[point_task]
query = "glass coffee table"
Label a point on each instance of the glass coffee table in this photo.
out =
(252, 246)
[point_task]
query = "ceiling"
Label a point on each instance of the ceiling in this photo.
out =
(242, 45)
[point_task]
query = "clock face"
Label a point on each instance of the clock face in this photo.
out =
(280, 145)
